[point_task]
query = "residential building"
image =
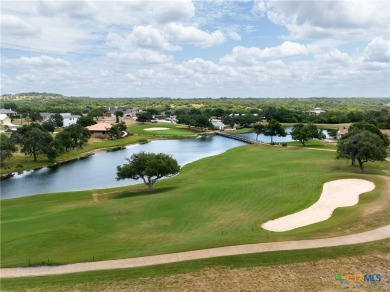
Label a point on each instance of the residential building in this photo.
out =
(317, 111)
(8, 112)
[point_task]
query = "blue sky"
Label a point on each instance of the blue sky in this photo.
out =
(193, 49)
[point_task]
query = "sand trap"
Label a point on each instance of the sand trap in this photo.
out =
(156, 129)
(337, 193)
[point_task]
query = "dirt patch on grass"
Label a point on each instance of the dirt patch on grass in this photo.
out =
(309, 276)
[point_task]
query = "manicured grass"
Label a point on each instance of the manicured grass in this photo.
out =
(92, 280)
(217, 201)
(174, 130)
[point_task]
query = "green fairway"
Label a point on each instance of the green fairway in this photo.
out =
(217, 201)
(173, 130)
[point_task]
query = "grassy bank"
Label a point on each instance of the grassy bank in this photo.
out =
(98, 280)
(217, 201)
(20, 162)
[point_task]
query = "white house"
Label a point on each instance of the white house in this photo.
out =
(218, 125)
(4, 119)
(69, 119)
(8, 112)
(317, 111)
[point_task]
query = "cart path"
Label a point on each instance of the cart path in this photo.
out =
(368, 236)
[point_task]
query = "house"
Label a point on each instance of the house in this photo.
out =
(128, 113)
(69, 119)
(99, 129)
(45, 116)
(316, 111)
(341, 133)
(4, 119)
(218, 125)
(8, 112)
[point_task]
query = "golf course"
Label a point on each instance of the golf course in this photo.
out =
(217, 201)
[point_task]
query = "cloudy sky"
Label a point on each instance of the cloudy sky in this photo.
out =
(196, 48)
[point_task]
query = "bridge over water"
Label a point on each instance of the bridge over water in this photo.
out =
(238, 137)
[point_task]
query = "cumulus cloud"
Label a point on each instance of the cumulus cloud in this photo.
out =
(41, 61)
(142, 37)
(336, 19)
(378, 50)
(140, 56)
(253, 55)
(194, 36)
(335, 57)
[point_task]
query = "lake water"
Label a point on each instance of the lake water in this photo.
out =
(99, 170)
(276, 139)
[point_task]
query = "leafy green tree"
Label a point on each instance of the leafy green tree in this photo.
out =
(35, 116)
(149, 167)
(34, 139)
(63, 141)
(303, 133)
(259, 129)
(7, 148)
(364, 126)
(48, 126)
(86, 121)
(363, 146)
(218, 112)
(274, 128)
(202, 122)
(78, 134)
(117, 115)
(57, 120)
(144, 117)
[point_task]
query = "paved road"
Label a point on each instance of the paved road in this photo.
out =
(368, 236)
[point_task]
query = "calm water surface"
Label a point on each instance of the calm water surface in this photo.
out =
(99, 170)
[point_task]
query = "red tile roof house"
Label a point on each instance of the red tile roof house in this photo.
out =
(99, 130)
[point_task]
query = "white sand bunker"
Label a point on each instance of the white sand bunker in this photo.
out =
(337, 193)
(156, 129)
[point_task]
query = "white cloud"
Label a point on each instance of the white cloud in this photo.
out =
(234, 36)
(194, 36)
(15, 26)
(140, 56)
(42, 61)
(378, 50)
(343, 20)
(253, 55)
(146, 37)
(335, 57)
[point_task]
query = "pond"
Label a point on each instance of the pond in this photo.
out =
(99, 170)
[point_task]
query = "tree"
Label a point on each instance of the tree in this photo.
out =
(274, 128)
(302, 133)
(57, 120)
(203, 122)
(7, 148)
(363, 146)
(117, 115)
(144, 117)
(34, 139)
(364, 126)
(35, 116)
(259, 129)
(78, 134)
(48, 126)
(86, 121)
(63, 141)
(148, 166)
